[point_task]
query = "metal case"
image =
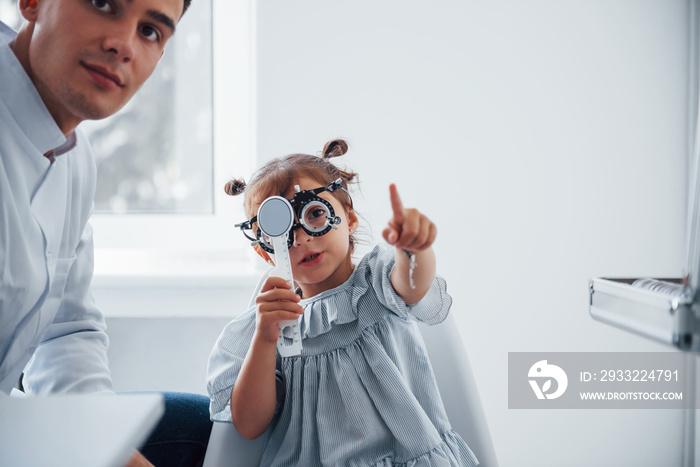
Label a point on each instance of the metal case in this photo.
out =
(662, 317)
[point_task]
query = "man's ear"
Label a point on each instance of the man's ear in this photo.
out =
(263, 254)
(29, 9)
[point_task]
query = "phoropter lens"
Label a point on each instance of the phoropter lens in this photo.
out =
(315, 216)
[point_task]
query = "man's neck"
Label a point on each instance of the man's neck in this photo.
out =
(20, 47)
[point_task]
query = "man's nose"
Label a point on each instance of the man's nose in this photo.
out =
(120, 40)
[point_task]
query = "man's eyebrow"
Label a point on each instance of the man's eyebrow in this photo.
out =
(162, 18)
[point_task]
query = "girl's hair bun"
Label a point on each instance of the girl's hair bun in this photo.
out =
(335, 148)
(235, 187)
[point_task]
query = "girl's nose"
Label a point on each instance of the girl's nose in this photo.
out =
(300, 236)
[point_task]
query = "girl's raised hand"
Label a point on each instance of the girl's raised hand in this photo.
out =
(276, 302)
(408, 229)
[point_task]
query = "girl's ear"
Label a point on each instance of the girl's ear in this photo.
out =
(353, 221)
(263, 254)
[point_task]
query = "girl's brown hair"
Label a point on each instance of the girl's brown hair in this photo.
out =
(278, 176)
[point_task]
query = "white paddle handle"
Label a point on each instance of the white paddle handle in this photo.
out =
(287, 346)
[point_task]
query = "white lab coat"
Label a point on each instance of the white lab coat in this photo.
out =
(48, 319)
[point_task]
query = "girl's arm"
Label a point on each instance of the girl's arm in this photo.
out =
(254, 395)
(410, 231)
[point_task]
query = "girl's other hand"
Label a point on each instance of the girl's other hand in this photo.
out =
(408, 229)
(276, 302)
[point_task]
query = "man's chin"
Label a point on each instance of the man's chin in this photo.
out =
(97, 112)
(96, 106)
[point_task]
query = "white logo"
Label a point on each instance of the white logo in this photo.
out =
(548, 372)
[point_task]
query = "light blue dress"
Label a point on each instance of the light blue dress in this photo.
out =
(362, 393)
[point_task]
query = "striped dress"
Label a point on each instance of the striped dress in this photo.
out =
(362, 392)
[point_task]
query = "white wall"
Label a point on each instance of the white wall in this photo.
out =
(548, 141)
(546, 138)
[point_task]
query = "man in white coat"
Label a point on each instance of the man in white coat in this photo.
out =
(72, 60)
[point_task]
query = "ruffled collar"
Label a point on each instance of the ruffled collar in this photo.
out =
(334, 306)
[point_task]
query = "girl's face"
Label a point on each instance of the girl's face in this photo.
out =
(321, 263)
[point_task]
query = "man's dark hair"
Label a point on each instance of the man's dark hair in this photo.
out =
(187, 5)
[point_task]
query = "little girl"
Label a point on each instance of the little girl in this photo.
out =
(362, 391)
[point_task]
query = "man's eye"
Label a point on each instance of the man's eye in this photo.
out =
(150, 33)
(102, 5)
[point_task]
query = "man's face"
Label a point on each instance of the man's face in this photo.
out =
(87, 58)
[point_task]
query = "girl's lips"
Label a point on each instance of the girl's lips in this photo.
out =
(311, 259)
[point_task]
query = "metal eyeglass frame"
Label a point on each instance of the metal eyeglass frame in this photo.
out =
(301, 201)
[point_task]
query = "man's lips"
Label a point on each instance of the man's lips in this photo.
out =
(103, 75)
